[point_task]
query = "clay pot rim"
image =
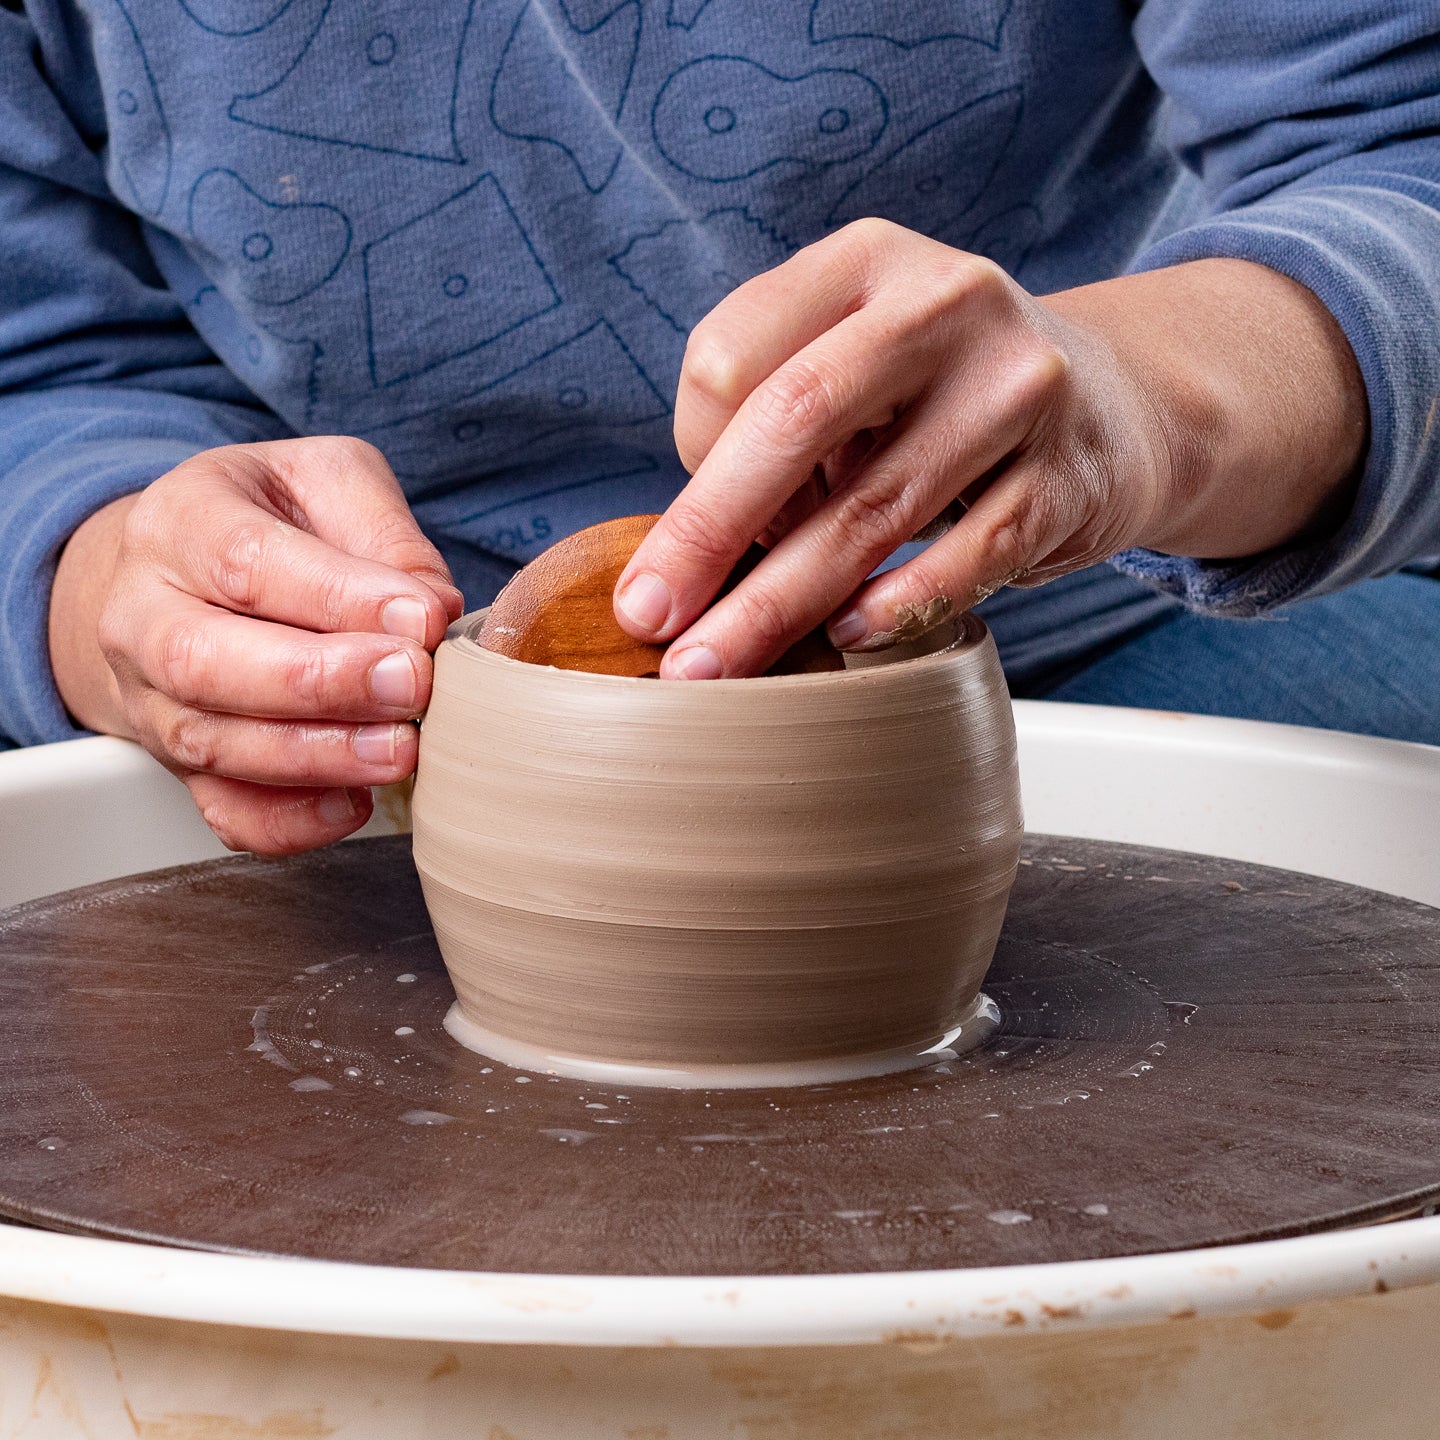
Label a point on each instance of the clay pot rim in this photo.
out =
(971, 633)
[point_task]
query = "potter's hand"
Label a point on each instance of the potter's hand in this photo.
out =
(841, 402)
(259, 619)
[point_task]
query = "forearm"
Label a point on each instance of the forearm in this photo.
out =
(1256, 391)
(82, 581)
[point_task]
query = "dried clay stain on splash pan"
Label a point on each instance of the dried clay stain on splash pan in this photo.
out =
(796, 868)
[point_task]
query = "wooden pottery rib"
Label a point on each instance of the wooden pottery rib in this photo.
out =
(559, 609)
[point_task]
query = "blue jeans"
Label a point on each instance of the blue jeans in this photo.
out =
(1366, 660)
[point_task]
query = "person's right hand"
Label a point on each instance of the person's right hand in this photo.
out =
(259, 619)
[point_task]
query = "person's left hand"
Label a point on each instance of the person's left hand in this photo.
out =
(840, 403)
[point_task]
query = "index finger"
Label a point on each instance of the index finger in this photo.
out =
(217, 545)
(848, 380)
(352, 499)
(759, 325)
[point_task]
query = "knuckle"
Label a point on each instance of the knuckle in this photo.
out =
(351, 452)
(873, 516)
(191, 740)
(225, 831)
(796, 405)
(186, 659)
(299, 468)
(198, 477)
(1041, 373)
(398, 536)
(330, 595)
(142, 523)
(300, 753)
(217, 815)
(695, 538)
(919, 583)
(309, 677)
(264, 826)
(867, 251)
(969, 280)
(1007, 545)
(150, 524)
(871, 234)
(986, 277)
(269, 832)
(711, 367)
(764, 615)
(240, 563)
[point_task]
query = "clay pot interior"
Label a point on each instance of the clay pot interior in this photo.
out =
(759, 881)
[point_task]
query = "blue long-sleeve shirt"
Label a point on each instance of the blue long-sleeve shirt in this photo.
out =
(477, 232)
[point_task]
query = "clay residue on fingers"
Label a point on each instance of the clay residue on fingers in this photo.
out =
(984, 592)
(912, 620)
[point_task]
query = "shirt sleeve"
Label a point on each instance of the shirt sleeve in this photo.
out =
(104, 384)
(1314, 128)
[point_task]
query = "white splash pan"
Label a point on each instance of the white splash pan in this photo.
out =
(1327, 1336)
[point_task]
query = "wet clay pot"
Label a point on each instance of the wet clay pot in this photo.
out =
(756, 872)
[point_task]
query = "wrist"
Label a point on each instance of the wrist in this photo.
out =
(83, 579)
(1255, 396)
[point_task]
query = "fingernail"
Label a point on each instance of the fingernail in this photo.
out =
(376, 744)
(697, 662)
(646, 602)
(392, 681)
(846, 629)
(405, 616)
(453, 600)
(335, 807)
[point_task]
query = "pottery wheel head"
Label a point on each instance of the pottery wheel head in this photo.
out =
(248, 1055)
